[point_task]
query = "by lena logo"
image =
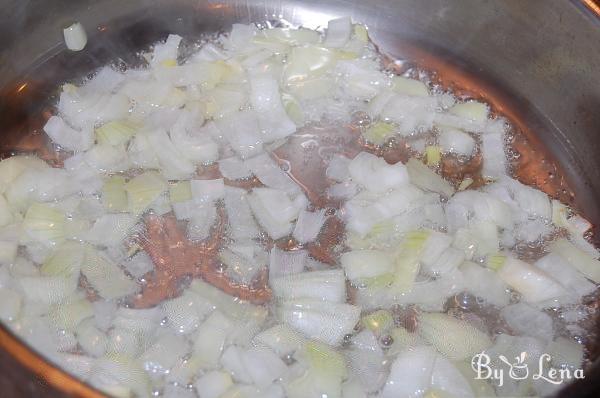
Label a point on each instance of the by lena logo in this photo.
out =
(518, 369)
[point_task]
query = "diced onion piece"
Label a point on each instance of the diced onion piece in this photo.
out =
(48, 289)
(324, 321)
(242, 131)
(494, 159)
(566, 352)
(213, 384)
(185, 312)
(75, 37)
(328, 285)
(410, 87)
(281, 339)
(210, 338)
(566, 274)
(115, 132)
(365, 264)
(528, 321)
(106, 277)
(68, 315)
(582, 261)
(425, 178)
(534, 284)
(65, 261)
(309, 225)
(66, 136)
(456, 339)
(266, 101)
(410, 374)
(206, 191)
(306, 62)
(379, 132)
(273, 210)
(242, 223)
(282, 263)
(485, 284)
(375, 174)
(433, 155)
(120, 375)
(234, 168)
(338, 32)
(143, 190)
(471, 110)
(110, 229)
(378, 322)
(45, 224)
(164, 353)
(114, 196)
(270, 174)
(456, 141)
(338, 168)
(10, 304)
(180, 192)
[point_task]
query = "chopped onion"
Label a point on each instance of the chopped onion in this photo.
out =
(283, 263)
(324, 321)
(582, 261)
(66, 136)
(329, 285)
(234, 168)
(239, 214)
(456, 141)
(425, 178)
(75, 37)
(281, 339)
(526, 320)
(270, 174)
(143, 190)
(338, 32)
(309, 225)
(44, 224)
(454, 338)
(365, 264)
(213, 384)
(110, 229)
(106, 277)
(375, 174)
(415, 88)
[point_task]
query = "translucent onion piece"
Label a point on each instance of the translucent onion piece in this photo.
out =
(75, 37)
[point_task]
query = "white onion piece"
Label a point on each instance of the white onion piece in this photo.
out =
(435, 245)
(10, 304)
(281, 339)
(425, 178)
(526, 320)
(309, 225)
(210, 338)
(410, 374)
(365, 263)
(213, 384)
(173, 164)
(185, 312)
(375, 174)
(338, 32)
(327, 285)
(274, 211)
(582, 261)
(106, 277)
(166, 51)
(270, 174)
(120, 374)
(412, 114)
(232, 362)
(207, 190)
(164, 353)
(110, 229)
(565, 274)
(266, 101)
(66, 136)
(263, 366)
(195, 146)
(456, 141)
(75, 37)
(241, 221)
(485, 284)
(326, 322)
(48, 289)
(566, 352)
(337, 169)
(93, 341)
(366, 361)
(138, 265)
(456, 339)
(448, 260)
(447, 378)
(534, 284)
(494, 158)
(242, 131)
(283, 263)
(234, 168)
